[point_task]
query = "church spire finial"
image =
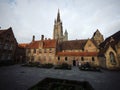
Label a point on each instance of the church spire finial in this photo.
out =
(58, 16)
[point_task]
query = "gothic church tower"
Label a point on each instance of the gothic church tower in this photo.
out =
(58, 30)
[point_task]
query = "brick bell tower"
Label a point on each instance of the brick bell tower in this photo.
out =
(58, 29)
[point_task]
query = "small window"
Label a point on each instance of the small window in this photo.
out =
(39, 58)
(8, 36)
(66, 59)
(40, 51)
(58, 58)
(34, 50)
(1, 44)
(45, 51)
(50, 50)
(6, 46)
(82, 49)
(93, 59)
(82, 59)
(49, 58)
(28, 50)
(32, 58)
(44, 57)
(89, 45)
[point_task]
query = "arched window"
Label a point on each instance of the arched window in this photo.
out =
(65, 58)
(112, 58)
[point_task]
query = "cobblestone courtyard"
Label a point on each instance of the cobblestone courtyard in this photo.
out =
(21, 78)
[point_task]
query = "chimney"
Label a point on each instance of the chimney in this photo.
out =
(33, 38)
(42, 37)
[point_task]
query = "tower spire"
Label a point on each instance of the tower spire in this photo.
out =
(58, 16)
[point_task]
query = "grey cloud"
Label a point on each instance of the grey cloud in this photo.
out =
(80, 17)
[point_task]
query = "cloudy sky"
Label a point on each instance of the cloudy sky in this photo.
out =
(81, 18)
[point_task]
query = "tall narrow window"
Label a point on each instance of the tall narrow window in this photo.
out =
(1, 43)
(50, 50)
(6, 46)
(40, 51)
(58, 58)
(45, 50)
(32, 58)
(34, 50)
(82, 58)
(93, 59)
(39, 58)
(112, 58)
(44, 58)
(28, 51)
(66, 59)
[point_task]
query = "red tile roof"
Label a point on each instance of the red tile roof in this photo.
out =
(73, 44)
(46, 44)
(49, 43)
(34, 44)
(22, 45)
(77, 53)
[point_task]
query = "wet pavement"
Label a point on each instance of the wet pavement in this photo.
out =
(21, 78)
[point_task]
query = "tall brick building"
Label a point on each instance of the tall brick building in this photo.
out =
(8, 45)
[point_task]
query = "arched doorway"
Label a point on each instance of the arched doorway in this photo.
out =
(74, 62)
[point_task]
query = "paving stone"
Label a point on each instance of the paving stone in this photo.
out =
(21, 78)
